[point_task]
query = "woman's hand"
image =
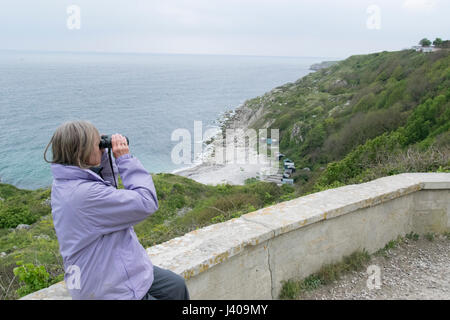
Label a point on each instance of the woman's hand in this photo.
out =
(119, 145)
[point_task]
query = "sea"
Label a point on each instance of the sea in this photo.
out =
(142, 96)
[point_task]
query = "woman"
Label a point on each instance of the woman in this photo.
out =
(102, 256)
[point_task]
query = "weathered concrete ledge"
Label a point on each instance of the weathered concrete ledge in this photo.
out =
(248, 257)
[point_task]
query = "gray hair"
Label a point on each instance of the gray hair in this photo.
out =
(72, 143)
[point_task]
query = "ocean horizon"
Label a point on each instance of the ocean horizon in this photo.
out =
(143, 96)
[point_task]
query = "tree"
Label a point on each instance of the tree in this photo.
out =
(445, 44)
(437, 42)
(425, 42)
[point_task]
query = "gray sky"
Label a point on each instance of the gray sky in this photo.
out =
(321, 28)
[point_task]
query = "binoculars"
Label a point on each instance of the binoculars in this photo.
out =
(105, 142)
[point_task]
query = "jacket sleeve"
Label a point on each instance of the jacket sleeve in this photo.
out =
(106, 171)
(109, 209)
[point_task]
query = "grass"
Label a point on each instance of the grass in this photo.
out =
(329, 273)
(390, 245)
(412, 236)
(429, 236)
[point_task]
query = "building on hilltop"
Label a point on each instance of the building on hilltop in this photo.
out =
(426, 49)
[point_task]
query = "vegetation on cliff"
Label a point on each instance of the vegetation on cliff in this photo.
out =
(365, 117)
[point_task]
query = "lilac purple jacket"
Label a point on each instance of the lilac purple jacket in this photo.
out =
(102, 256)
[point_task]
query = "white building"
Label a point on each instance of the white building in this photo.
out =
(425, 49)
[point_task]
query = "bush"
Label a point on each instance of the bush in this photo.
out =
(373, 151)
(33, 277)
(361, 128)
(176, 201)
(8, 191)
(11, 217)
(250, 181)
(315, 138)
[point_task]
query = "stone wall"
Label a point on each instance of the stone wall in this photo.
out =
(250, 256)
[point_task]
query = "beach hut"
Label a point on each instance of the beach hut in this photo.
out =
(287, 173)
(279, 155)
(289, 165)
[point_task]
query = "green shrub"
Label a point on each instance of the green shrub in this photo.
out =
(33, 278)
(250, 181)
(11, 217)
(289, 289)
(412, 236)
(429, 236)
(360, 128)
(7, 191)
(176, 201)
(218, 219)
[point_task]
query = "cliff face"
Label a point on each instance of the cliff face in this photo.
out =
(248, 114)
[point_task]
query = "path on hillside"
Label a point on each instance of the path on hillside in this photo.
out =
(413, 270)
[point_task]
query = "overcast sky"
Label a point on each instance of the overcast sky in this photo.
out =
(319, 28)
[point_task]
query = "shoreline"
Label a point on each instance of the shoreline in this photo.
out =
(235, 171)
(231, 172)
